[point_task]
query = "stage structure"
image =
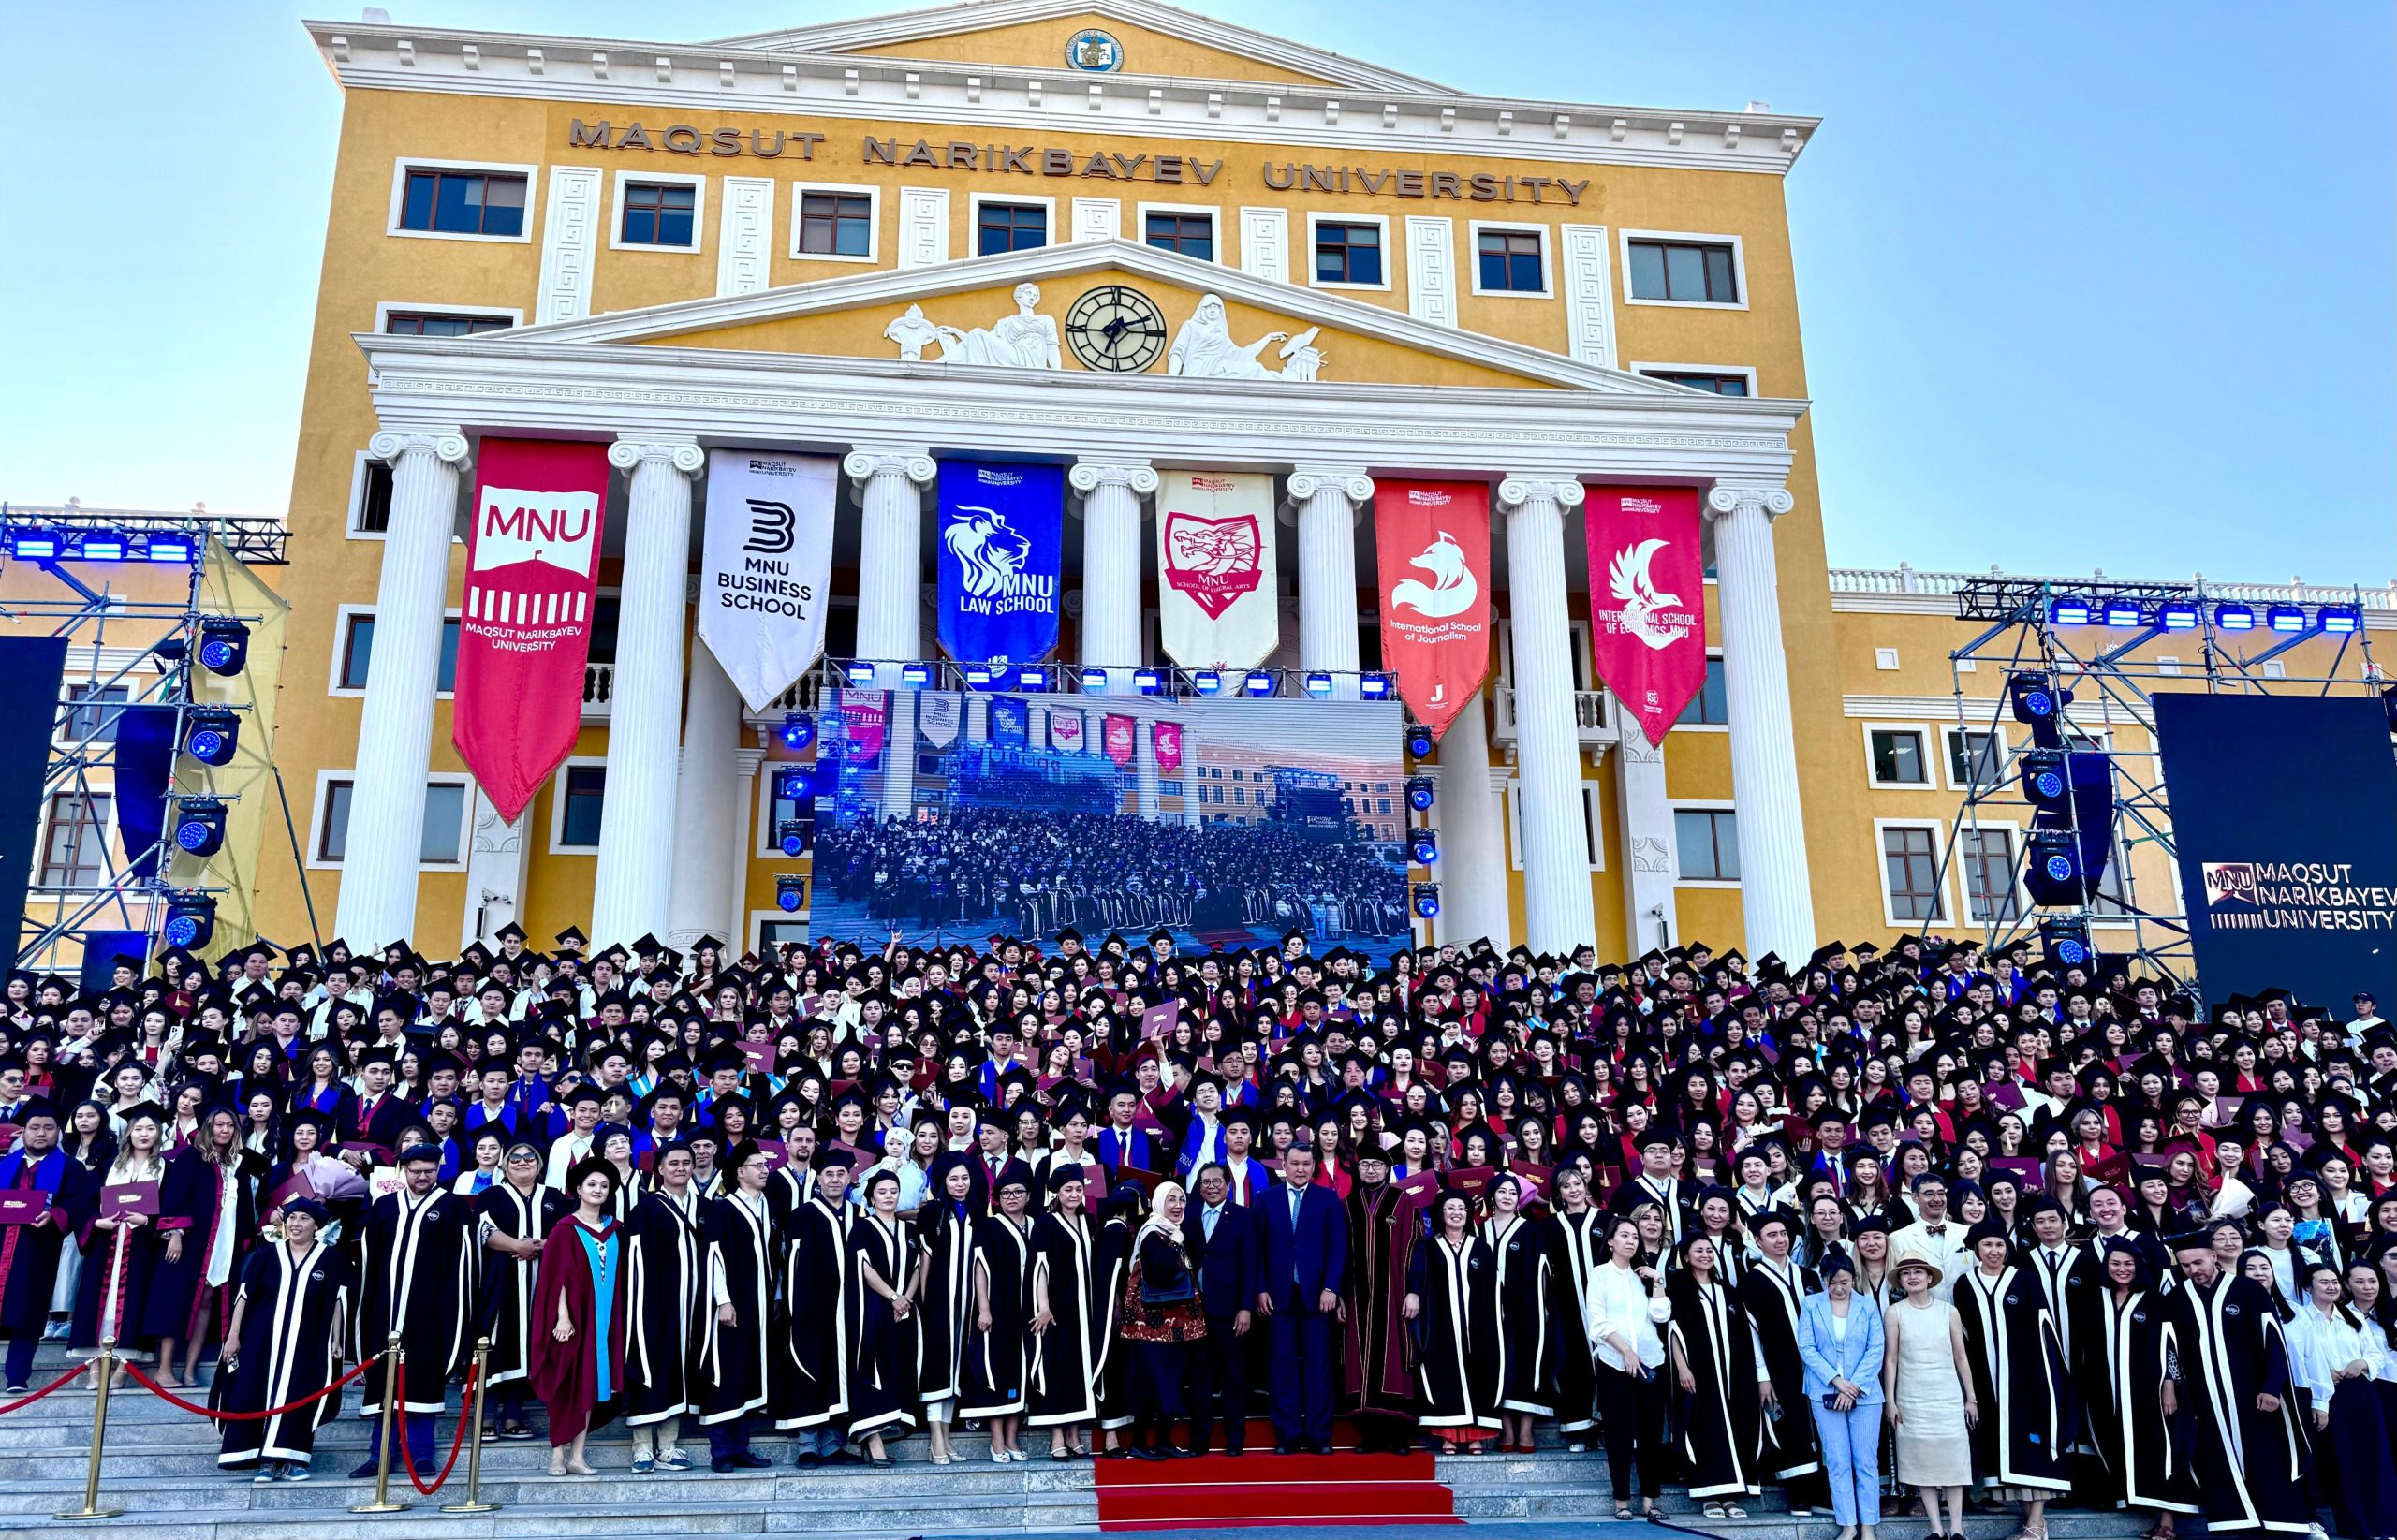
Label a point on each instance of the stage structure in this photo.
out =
(172, 652)
(2066, 756)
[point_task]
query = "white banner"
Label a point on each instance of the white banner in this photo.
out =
(1065, 729)
(938, 715)
(1215, 570)
(766, 566)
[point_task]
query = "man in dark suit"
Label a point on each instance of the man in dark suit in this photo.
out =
(1306, 1257)
(1229, 1261)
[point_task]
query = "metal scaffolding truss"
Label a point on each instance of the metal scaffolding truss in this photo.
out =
(2112, 689)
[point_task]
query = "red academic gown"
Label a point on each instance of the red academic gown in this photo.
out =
(565, 1375)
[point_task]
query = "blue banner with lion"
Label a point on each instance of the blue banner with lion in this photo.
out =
(1002, 545)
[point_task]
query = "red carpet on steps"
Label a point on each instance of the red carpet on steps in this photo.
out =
(1262, 1488)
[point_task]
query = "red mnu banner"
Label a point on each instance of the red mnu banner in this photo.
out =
(1434, 539)
(1647, 599)
(532, 577)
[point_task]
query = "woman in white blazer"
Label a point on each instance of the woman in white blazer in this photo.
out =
(1840, 1338)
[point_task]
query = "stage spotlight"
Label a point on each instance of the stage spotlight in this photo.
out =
(790, 834)
(2066, 940)
(798, 729)
(2033, 695)
(2339, 620)
(210, 734)
(1424, 846)
(1207, 682)
(2122, 612)
(790, 784)
(982, 676)
(2233, 617)
(2177, 615)
(103, 547)
(199, 826)
(2053, 874)
(790, 893)
(1259, 683)
(1427, 900)
(2285, 618)
(1418, 741)
(224, 646)
(1149, 682)
(2044, 781)
(191, 919)
(915, 676)
(1094, 681)
(1373, 687)
(167, 548)
(1420, 793)
(1032, 679)
(1319, 684)
(38, 545)
(2069, 609)
(861, 673)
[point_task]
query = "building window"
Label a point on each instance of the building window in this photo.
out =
(445, 817)
(586, 795)
(1975, 758)
(1684, 272)
(1709, 706)
(93, 723)
(774, 934)
(358, 651)
(74, 852)
(1348, 253)
(1910, 871)
(374, 499)
(1988, 855)
(1721, 384)
(836, 225)
(462, 202)
(1191, 234)
(657, 214)
(1708, 839)
(1510, 262)
(429, 323)
(1898, 758)
(1010, 226)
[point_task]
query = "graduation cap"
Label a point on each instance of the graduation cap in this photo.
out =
(571, 940)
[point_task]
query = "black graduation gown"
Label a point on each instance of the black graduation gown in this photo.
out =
(113, 1291)
(747, 1358)
(815, 1285)
(1065, 1358)
(507, 1280)
(1788, 1450)
(882, 1384)
(416, 1271)
(29, 1254)
(997, 1361)
(1524, 1316)
(293, 1318)
(2120, 1369)
(2252, 1463)
(1114, 1375)
(191, 1202)
(667, 1310)
(2071, 1289)
(2025, 1429)
(945, 1308)
(1721, 1422)
(1573, 1251)
(1457, 1356)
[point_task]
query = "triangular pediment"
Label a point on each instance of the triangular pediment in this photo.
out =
(966, 314)
(1138, 37)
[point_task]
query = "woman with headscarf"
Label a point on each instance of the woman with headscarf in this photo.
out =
(944, 1226)
(578, 1317)
(1162, 1316)
(283, 1343)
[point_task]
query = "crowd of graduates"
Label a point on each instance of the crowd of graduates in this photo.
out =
(1969, 1226)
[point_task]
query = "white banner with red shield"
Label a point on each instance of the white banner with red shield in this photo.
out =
(1217, 604)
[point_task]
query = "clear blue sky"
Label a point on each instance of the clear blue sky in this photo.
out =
(2083, 284)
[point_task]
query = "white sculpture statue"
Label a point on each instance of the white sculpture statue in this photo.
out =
(1204, 349)
(1025, 340)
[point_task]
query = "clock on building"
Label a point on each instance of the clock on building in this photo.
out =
(1116, 328)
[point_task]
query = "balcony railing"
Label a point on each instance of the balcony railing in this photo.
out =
(1903, 578)
(1589, 715)
(600, 695)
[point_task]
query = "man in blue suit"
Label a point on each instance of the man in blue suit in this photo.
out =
(1306, 1255)
(1231, 1264)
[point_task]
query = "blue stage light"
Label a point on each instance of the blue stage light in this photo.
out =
(103, 548)
(2286, 618)
(1149, 682)
(2033, 697)
(1094, 681)
(2233, 617)
(1207, 682)
(790, 893)
(1032, 679)
(797, 731)
(1424, 846)
(199, 826)
(167, 548)
(210, 736)
(2069, 609)
(2340, 620)
(860, 672)
(2065, 939)
(2177, 615)
(982, 676)
(2044, 781)
(2123, 613)
(1259, 683)
(33, 544)
(1373, 687)
(790, 834)
(915, 676)
(224, 646)
(1427, 900)
(1320, 684)
(191, 919)
(1420, 793)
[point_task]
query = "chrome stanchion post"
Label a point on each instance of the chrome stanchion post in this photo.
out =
(393, 1359)
(474, 1502)
(104, 1366)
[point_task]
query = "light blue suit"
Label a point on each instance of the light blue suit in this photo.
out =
(1851, 1440)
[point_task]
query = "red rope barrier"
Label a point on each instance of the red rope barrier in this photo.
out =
(55, 1384)
(172, 1399)
(399, 1431)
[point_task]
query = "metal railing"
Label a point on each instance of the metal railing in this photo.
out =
(1904, 578)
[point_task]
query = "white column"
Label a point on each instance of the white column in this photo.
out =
(1558, 913)
(890, 559)
(898, 755)
(1145, 762)
(978, 719)
(386, 838)
(1192, 812)
(745, 841)
(1472, 870)
(1328, 501)
(1646, 815)
(704, 836)
(1776, 896)
(631, 892)
(1112, 492)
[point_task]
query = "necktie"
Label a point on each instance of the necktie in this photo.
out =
(1295, 1195)
(1210, 1216)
